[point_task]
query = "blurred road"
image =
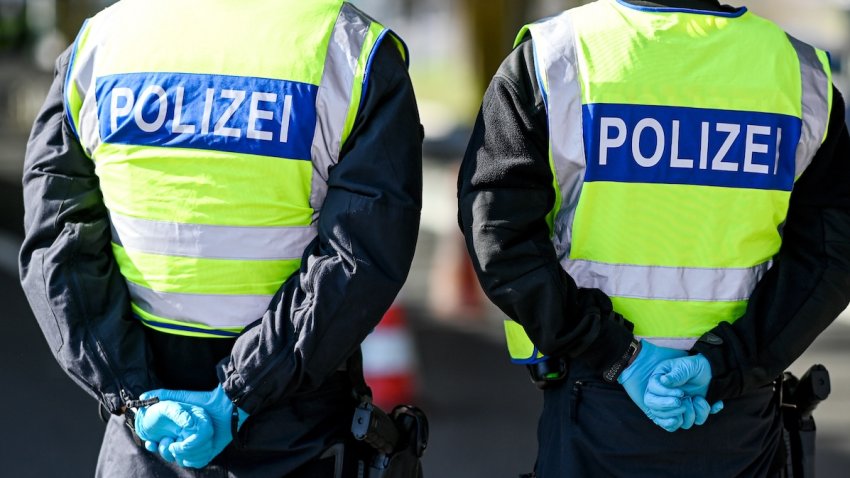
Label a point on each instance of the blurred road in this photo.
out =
(482, 410)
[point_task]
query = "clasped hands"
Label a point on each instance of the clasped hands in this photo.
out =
(670, 386)
(188, 428)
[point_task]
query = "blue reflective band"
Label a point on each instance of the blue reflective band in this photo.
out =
(677, 145)
(372, 54)
(733, 14)
(186, 328)
(531, 360)
(215, 112)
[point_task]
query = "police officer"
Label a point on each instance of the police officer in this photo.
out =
(655, 193)
(222, 199)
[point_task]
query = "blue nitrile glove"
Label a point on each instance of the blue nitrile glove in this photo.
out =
(220, 409)
(636, 377)
(660, 399)
(696, 408)
(705, 409)
(678, 378)
(170, 426)
(690, 374)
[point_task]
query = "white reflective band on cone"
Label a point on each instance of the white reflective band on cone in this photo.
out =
(388, 351)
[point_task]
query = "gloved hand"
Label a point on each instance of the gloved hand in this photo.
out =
(169, 427)
(705, 409)
(218, 407)
(690, 374)
(635, 379)
(696, 407)
(680, 378)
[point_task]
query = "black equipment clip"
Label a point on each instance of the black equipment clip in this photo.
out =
(797, 400)
(376, 428)
(397, 440)
(548, 372)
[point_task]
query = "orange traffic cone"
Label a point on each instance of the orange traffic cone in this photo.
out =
(389, 360)
(453, 290)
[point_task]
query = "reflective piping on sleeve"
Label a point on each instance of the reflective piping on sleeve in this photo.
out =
(210, 241)
(815, 104)
(371, 58)
(334, 96)
(555, 54)
(404, 50)
(667, 283)
(678, 343)
(217, 311)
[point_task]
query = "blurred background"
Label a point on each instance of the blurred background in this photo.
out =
(483, 411)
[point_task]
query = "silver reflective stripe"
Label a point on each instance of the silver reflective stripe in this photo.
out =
(555, 57)
(678, 343)
(218, 311)
(666, 283)
(84, 79)
(334, 95)
(211, 242)
(815, 99)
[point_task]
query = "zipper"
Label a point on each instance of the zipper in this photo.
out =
(575, 397)
(234, 425)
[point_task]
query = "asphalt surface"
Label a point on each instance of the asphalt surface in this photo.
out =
(482, 410)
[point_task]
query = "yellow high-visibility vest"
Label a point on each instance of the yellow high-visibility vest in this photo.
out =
(676, 138)
(212, 129)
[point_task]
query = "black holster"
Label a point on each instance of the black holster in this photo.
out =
(396, 441)
(798, 399)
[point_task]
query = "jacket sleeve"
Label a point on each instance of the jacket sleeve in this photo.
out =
(808, 285)
(67, 269)
(505, 192)
(352, 272)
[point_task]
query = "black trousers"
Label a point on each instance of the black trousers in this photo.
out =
(590, 428)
